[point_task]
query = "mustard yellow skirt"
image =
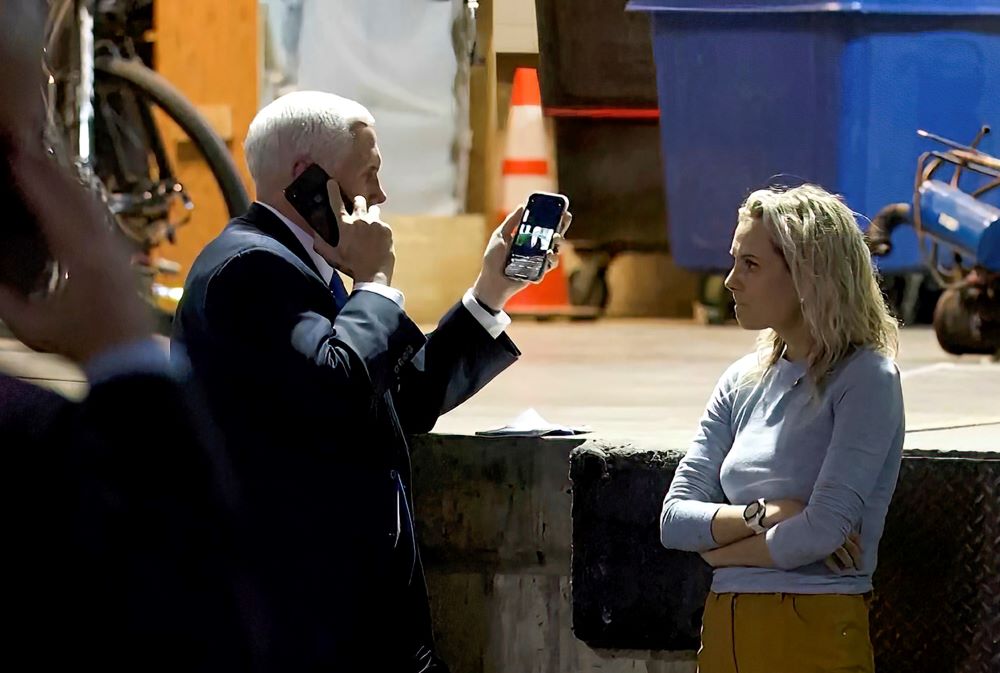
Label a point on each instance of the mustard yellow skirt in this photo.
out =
(785, 633)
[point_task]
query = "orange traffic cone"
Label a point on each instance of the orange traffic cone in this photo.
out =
(527, 168)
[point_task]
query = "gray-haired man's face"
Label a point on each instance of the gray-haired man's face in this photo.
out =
(358, 172)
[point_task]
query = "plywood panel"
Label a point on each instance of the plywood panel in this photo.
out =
(514, 27)
(209, 50)
(437, 260)
(483, 160)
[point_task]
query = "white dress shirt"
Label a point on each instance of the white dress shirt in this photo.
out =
(494, 324)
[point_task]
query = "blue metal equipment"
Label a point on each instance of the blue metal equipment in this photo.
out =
(958, 229)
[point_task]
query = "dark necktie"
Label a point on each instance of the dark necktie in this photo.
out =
(338, 290)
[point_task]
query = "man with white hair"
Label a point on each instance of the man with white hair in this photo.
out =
(316, 391)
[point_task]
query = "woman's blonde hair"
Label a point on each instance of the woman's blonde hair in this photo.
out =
(832, 271)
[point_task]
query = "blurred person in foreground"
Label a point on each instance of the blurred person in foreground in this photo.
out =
(118, 509)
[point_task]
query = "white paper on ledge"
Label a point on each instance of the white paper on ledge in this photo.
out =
(530, 423)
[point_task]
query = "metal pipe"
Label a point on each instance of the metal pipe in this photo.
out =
(85, 92)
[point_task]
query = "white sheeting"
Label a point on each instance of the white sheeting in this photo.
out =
(396, 57)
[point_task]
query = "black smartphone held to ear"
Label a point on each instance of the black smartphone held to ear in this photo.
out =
(308, 195)
(532, 243)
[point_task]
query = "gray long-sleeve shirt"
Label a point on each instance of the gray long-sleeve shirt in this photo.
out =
(774, 438)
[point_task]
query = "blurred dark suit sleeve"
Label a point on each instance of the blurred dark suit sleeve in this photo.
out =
(121, 530)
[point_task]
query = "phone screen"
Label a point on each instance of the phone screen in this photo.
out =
(533, 240)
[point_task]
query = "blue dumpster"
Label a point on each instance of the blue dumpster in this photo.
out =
(754, 92)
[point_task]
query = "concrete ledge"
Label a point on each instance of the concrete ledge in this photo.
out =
(495, 529)
(494, 526)
(499, 518)
(501, 504)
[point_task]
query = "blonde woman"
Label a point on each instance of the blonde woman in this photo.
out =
(785, 488)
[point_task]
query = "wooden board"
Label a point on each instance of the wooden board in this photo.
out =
(209, 50)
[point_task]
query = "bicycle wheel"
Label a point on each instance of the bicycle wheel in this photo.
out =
(165, 95)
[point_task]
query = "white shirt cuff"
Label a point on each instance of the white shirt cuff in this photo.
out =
(494, 324)
(378, 288)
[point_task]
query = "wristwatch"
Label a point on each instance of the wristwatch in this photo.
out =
(753, 515)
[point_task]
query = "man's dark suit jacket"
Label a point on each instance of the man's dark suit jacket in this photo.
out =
(118, 536)
(316, 406)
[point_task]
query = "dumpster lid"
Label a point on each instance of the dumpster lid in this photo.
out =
(928, 7)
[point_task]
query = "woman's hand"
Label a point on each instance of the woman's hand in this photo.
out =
(848, 557)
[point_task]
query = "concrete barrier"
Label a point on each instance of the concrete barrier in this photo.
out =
(498, 521)
(495, 525)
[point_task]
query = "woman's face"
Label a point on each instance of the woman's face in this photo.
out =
(761, 282)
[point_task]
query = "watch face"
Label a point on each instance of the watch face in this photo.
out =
(751, 510)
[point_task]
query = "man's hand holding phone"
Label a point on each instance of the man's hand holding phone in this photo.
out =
(493, 287)
(365, 251)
